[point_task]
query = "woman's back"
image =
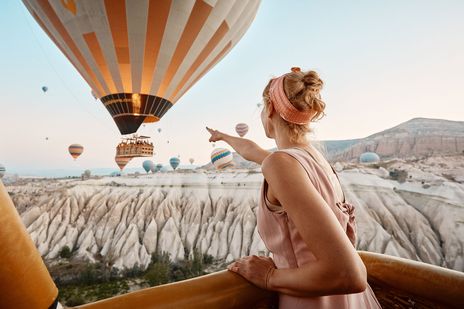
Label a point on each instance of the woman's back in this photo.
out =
(290, 250)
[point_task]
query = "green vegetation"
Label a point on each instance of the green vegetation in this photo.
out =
(65, 252)
(81, 283)
(399, 175)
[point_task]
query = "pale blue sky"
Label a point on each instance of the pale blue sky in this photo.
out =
(383, 62)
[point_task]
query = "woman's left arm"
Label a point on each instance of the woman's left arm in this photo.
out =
(338, 269)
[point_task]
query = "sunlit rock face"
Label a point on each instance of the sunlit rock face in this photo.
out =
(122, 220)
(414, 138)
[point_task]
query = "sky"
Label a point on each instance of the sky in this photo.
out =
(382, 62)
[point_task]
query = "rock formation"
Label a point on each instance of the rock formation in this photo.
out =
(121, 221)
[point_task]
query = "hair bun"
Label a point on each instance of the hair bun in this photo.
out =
(312, 80)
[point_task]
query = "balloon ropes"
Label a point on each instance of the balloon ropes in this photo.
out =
(140, 60)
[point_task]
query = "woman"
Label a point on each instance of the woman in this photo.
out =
(302, 217)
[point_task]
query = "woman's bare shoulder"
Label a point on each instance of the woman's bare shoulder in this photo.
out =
(279, 162)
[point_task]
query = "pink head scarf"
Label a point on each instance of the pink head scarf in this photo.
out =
(284, 108)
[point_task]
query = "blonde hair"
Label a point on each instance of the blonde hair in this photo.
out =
(303, 91)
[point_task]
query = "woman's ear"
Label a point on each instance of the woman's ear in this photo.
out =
(270, 109)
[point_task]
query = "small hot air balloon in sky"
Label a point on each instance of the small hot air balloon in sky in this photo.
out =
(241, 129)
(174, 161)
(221, 158)
(213, 144)
(140, 59)
(2, 171)
(259, 105)
(46, 138)
(191, 160)
(153, 168)
(44, 88)
(75, 150)
(122, 161)
(159, 130)
(167, 142)
(147, 165)
(159, 166)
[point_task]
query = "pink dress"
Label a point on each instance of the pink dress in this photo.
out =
(290, 251)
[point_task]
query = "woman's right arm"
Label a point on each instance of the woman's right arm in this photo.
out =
(248, 149)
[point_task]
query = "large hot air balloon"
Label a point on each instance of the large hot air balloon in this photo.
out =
(222, 158)
(122, 161)
(75, 150)
(44, 89)
(191, 160)
(94, 95)
(174, 161)
(140, 59)
(241, 129)
(147, 165)
(2, 171)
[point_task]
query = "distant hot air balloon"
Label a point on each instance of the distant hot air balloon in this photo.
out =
(159, 166)
(2, 171)
(153, 168)
(44, 89)
(221, 158)
(147, 165)
(75, 150)
(191, 160)
(213, 144)
(241, 129)
(159, 130)
(122, 161)
(46, 138)
(115, 174)
(174, 161)
(369, 157)
(140, 59)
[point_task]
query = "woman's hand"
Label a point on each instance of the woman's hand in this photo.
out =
(256, 269)
(215, 135)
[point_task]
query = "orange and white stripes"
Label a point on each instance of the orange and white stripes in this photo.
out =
(155, 47)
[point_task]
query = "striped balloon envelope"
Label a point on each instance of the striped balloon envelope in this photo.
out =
(122, 161)
(139, 57)
(174, 162)
(2, 171)
(75, 150)
(222, 158)
(241, 129)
